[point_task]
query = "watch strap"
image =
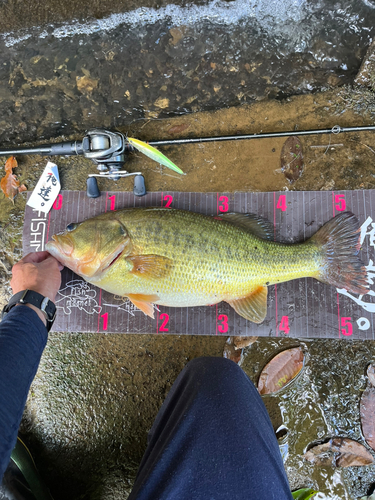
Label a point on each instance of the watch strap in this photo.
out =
(36, 299)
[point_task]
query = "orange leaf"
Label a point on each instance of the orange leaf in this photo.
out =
(280, 370)
(10, 164)
(9, 183)
(230, 352)
(367, 409)
(339, 452)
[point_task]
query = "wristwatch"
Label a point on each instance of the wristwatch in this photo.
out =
(36, 299)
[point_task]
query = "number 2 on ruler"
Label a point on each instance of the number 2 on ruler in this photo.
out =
(163, 326)
(168, 198)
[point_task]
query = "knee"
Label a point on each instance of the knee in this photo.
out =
(215, 371)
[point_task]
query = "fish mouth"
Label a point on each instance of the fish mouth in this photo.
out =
(111, 260)
(60, 246)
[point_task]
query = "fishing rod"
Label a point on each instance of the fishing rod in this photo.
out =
(334, 130)
(107, 150)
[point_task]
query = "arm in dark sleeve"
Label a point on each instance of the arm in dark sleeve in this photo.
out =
(23, 338)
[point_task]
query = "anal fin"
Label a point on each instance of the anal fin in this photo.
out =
(144, 302)
(253, 307)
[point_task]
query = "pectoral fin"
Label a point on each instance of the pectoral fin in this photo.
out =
(252, 307)
(150, 266)
(144, 302)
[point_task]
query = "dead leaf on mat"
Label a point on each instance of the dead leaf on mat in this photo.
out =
(241, 342)
(292, 158)
(9, 184)
(230, 352)
(367, 410)
(339, 452)
(280, 370)
(371, 375)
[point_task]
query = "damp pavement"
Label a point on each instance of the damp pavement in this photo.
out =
(161, 71)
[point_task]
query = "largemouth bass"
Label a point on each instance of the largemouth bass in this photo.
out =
(180, 259)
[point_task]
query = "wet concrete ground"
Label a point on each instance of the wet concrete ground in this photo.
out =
(95, 396)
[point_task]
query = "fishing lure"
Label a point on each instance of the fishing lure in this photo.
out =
(154, 154)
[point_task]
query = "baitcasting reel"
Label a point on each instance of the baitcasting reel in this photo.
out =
(106, 149)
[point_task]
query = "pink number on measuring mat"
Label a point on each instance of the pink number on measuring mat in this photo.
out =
(162, 327)
(105, 320)
(224, 205)
(340, 202)
(113, 201)
(168, 198)
(284, 325)
(58, 202)
(281, 202)
(347, 327)
(223, 328)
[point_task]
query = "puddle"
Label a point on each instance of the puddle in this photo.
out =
(322, 402)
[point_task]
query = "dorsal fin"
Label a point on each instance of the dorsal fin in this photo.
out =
(252, 223)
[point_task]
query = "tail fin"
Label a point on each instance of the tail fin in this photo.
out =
(339, 240)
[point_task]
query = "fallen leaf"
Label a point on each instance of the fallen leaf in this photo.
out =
(292, 158)
(177, 129)
(371, 375)
(230, 352)
(9, 184)
(284, 367)
(241, 342)
(371, 497)
(367, 410)
(339, 452)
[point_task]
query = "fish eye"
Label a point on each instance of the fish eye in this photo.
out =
(71, 226)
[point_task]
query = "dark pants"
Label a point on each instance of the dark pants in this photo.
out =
(212, 440)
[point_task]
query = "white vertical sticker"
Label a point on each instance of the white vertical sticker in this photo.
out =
(47, 189)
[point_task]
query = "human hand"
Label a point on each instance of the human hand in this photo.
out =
(37, 271)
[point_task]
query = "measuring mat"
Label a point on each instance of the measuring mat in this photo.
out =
(303, 308)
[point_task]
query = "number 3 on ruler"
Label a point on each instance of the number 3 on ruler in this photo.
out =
(224, 204)
(223, 328)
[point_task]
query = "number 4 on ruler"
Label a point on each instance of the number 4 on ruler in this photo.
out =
(281, 202)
